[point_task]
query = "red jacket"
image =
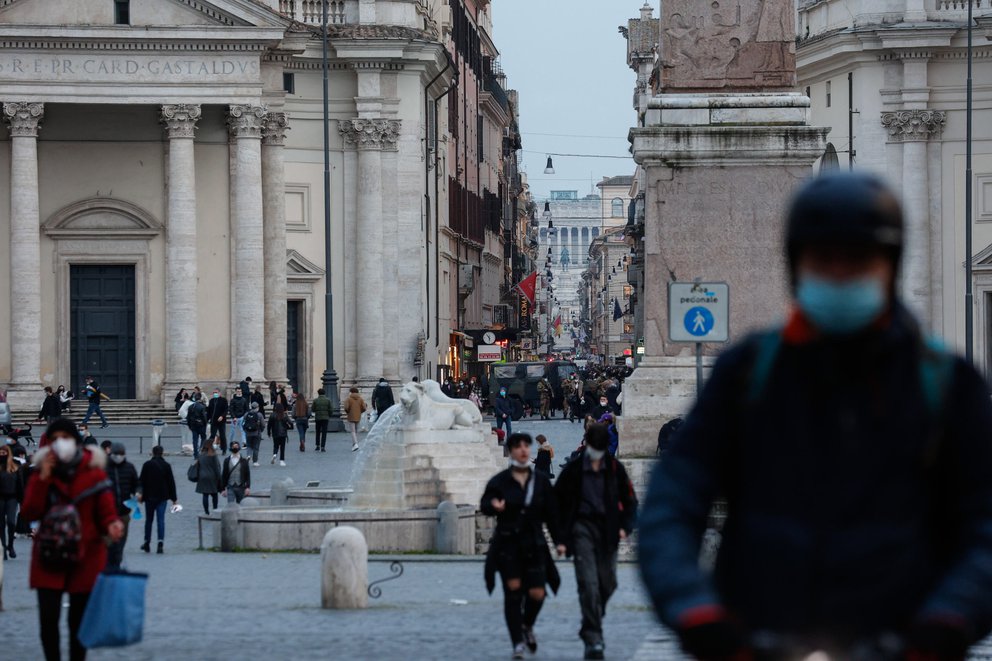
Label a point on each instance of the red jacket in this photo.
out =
(96, 514)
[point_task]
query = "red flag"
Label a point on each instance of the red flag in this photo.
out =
(528, 286)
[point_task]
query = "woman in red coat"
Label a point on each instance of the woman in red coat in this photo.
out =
(62, 471)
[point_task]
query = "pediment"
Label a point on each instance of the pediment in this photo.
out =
(102, 218)
(301, 269)
(144, 13)
(983, 260)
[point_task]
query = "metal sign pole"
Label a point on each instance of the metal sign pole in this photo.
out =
(699, 369)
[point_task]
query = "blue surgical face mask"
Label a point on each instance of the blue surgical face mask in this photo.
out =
(841, 308)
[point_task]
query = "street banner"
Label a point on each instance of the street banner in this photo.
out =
(528, 287)
(526, 307)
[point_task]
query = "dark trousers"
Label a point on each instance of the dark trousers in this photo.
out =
(206, 502)
(301, 429)
(321, 434)
(596, 575)
(94, 408)
(219, 430)
(279, 447)
(115, 551)
(153, 510)
(49, 612)
(8, 521)
(507, 421)
(254, 443)
(199, 436)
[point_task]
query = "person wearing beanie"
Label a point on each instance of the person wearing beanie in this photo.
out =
(853, 456)
(65, 471)
(124, 480)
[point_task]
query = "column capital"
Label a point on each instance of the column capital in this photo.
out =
(274, 129)
(914, 125)
(23, 118)
(365, 134)
(246, 121)
(180, 119)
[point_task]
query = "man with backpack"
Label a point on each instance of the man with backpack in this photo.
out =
(196, 420)
(94, 396)
(69, 494)
(597, 505)
(252, 425)
(156, 486)
(854, 458)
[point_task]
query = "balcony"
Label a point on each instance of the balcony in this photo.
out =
(311, 11)
(401, 13)
(818, 17)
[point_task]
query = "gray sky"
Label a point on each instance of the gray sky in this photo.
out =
(568, 61)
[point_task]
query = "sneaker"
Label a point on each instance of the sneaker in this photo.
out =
(159, 549)
(273, 459)
(323, 449)
(282, 463)
(104, 425)
(255, 464)
(354, 448)
(518, 651)
(530, 639)
(594, 651)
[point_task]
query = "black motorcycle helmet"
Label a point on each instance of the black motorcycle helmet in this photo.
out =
(845, 209)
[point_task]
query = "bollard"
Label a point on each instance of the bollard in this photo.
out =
(344, 573)
(229, 527)
(446, 533)
(279, 493)
(250, 501)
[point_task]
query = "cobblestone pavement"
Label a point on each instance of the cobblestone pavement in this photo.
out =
(206, 605)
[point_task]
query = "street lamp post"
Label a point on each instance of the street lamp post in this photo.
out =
(969, 310)
(330, 377)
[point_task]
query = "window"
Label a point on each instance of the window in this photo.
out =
(617, 208)
(122, 12)
(828, 93)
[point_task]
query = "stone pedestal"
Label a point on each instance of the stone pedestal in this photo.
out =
(719, 170)
(344, 577)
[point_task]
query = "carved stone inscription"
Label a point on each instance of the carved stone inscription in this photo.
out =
(728, 45)
(73, 68)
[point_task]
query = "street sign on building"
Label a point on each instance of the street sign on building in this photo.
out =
(699, 312)
(489, 353)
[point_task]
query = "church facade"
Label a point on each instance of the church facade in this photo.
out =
(163, 162)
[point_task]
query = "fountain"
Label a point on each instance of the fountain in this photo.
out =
(425, 450)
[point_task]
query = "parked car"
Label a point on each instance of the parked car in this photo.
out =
(521, 379)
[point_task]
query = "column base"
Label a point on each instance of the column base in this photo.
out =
(25, 397)
(659, 390)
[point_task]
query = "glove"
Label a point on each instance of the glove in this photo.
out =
(707, 633)
(938, 639)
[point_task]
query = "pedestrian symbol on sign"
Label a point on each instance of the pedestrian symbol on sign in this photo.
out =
(699, 321)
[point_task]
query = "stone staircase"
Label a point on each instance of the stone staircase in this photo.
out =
(118, 412)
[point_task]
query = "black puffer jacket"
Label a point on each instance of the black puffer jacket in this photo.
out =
(124, 477)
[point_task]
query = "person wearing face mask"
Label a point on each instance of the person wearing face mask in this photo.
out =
(523, 502)
(67, 473)
(503, 409)
(853, 455)
(598, 505)
(124, 478)
(11, 494)
(237, 476)
(602, 408)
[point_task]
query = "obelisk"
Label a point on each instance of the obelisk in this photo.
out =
(726, 140)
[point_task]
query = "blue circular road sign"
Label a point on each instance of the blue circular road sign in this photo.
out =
(699, 321)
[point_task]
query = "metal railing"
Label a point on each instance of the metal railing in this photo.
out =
(311, 11)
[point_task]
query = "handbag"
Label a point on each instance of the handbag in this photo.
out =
(193, 472)
(115, 613)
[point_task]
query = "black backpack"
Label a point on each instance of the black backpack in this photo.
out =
(60, 532)
(251, 422)
(667, 433)
(197, 415)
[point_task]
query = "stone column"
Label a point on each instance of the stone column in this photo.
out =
(370, 137)
(181, 279)
(913, 129)
(245, 124)
(25, 250)
(274, 209)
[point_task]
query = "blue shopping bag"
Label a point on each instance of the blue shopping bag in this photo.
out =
(115, 614)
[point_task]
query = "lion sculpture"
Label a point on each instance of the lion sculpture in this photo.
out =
(426, 407)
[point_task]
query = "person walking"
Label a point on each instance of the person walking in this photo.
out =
(217, 415)
(321, 416)
(354, 407)
(382, 397)
(11, 495)
(545, 392)
(156, 486)
(853, 455)
(124, 480)
(95, 397)
(209, 482)
(196, 419)
(258, 398)
(278, 429)
(237, 408)
(67, 474)
(301, 416)
(236, 479)
(598, 505)
(523, 502)
(252, 424)
(51, 408)
(504, 412)
(545, 453)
